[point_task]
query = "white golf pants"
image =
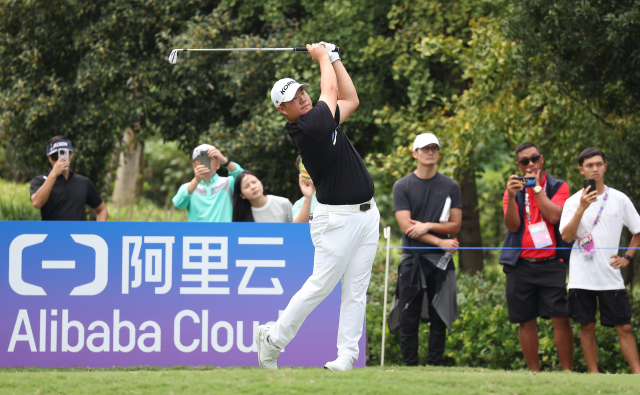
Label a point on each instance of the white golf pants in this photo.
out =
(345, 247)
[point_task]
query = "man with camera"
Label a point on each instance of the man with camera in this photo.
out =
(535, 269)
(594, 217)
(61, 194)
(208, 197)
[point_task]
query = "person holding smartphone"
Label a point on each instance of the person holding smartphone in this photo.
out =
(208, 197)
(594, 218)
(60, 194)
(535, 269)
(304, 206)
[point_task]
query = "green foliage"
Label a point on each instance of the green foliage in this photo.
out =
(590, 48)
(483, 336)
(166, 168)
(15, 203)
(82, 69)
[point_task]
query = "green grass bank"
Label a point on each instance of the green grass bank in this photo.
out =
(372, 380)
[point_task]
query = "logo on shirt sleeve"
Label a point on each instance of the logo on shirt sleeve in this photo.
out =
(333, 136)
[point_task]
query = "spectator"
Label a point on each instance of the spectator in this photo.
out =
(303, 208)
(419, 201)
(64, 198)
(595, 268)
(536, 272)
(207, 197)
(250, 204)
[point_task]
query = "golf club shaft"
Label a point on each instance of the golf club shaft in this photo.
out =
(295, 49)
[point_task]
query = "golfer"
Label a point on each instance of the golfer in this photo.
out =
(344, 225)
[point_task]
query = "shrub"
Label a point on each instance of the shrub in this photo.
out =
(483, 336)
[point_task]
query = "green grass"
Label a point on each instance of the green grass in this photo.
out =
(392, 380)
(15, 202)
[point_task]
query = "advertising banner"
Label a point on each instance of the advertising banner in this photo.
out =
(155, 293)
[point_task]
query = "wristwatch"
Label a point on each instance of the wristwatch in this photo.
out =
(537, 189)
(628, 257)
(228, 161)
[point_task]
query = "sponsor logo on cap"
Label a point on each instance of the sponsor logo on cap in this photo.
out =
(59, 144)
(287, 86)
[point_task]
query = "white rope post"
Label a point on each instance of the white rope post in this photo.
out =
(387, 235)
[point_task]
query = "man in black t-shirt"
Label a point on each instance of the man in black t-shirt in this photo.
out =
(344, 225)
(60, 194)
(428, 207)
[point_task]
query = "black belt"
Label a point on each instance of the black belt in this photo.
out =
(538, 259)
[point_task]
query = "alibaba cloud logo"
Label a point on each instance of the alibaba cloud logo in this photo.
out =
(93, 288)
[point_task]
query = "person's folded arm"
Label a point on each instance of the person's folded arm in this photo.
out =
(450, 227)
(404, 221)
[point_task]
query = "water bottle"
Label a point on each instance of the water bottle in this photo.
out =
(444, 260)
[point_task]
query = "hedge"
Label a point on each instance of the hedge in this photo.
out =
(483, 336)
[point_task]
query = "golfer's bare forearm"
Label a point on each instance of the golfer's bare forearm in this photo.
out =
(328, 84)
(346, 89)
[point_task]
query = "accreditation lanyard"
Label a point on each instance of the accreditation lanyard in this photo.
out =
(539, 232)
(527, 208)
(586, 244)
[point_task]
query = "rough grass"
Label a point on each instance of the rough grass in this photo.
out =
(372, 380)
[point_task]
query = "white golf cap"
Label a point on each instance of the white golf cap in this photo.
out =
(201, 147)
(284, 90)
(424, 139)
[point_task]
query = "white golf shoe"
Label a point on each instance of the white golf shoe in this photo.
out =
(267, 354)
(342, 364)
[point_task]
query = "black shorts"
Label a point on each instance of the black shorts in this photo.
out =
(536, 289)
(615, 308)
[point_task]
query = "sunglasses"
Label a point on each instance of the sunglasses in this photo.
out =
(533, 159)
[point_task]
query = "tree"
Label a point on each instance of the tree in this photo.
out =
(589, 49)
(81, 69)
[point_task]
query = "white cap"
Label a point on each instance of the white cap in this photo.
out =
(424, 139)
(284, 90)
(201, 147)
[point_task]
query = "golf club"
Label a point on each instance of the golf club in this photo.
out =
(173, 57)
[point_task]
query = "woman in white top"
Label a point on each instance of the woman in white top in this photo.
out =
(250, 204)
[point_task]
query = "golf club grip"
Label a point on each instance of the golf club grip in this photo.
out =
(304, 49)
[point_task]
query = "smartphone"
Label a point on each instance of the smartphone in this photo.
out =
(63, 154)
(303, 171)
(589, 182)
(205, 160)
(527, 182)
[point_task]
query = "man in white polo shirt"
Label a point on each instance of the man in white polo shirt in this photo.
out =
(595, 219)
(344, 225)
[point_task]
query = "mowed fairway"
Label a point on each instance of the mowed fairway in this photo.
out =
(388, 380)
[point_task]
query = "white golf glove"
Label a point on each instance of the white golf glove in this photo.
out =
(333, 56)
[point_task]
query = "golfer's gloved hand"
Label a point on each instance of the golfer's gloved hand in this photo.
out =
(333, 56)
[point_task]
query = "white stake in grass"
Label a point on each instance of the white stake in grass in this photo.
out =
(173, 57)
(387, 235)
